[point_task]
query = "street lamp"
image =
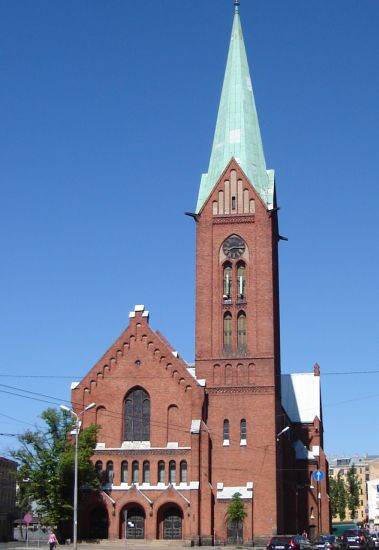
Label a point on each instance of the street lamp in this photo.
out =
(282, 432)
(77, 417)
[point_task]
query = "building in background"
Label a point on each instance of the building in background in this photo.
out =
(363, 466)
(7, 498)
(177, 440)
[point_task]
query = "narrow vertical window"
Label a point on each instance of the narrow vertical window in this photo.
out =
(243, 432)
(226, 434)
(227, 282)
(99, 469)
(183, 471)
(227, 331)
(124, 471)
(161, 471)
(135, 471)
(241, 282)
(241, 330)
(109, 472)
(172, 471)
(146, 472)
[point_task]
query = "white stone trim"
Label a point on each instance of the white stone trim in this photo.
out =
(195, 426)
(226, 493)
(138, 448)
(109, 497)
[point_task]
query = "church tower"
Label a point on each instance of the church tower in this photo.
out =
(237, 303)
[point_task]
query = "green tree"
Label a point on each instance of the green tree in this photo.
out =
(353, 486)
(338, 497)
(236, 512)
(46, 468)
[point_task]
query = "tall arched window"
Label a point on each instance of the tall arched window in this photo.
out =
(241, 281)
(99, 469)
(124, 471)
(241, 330)
(228, 331)
(227, 282)
(109, 472)
(172, 471)
(226, 434)
(137, 416)
(161, 471)
(243, 431)
(146, 472)
(135, 471)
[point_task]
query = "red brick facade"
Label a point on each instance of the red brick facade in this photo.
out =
(212, 427)
(177, 441)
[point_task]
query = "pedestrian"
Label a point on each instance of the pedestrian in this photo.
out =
(305, 535)
(53, 541)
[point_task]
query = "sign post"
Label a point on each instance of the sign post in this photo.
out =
(28, 519)
(318, 475)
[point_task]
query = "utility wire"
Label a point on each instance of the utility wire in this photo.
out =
(81, 376)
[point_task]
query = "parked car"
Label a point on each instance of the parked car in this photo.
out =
(327, 542)
(375, 538)
(289, 542)
(358, 539)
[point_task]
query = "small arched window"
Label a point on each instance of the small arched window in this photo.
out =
(146, 472)
(243, 429)
(109, 472)
(172, 471)
(241, 330)
(137, 416)
(241, 281)
(227, 292)
(228, 331)
(135, 471)
(161, 471)
(226, 434)
(99, 469)
(183, 471)
(124, 471)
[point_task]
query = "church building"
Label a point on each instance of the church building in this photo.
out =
(178, 441)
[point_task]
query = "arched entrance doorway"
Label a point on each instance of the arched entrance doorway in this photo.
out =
(132, 522)
(170, 521)
(98, 523)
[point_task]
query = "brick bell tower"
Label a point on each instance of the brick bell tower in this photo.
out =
(237, 305)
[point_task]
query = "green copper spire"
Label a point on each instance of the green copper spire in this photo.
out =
(237, 129)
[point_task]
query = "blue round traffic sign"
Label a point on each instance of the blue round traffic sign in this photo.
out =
(318, 475)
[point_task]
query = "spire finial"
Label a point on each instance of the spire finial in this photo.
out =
(236, 6)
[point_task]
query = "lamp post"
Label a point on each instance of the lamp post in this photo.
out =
(77, 417)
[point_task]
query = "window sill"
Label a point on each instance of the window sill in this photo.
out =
(225, 443)
(243, 443)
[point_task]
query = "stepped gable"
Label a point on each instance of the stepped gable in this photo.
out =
(137, 340)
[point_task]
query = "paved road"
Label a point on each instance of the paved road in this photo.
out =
(116, 545)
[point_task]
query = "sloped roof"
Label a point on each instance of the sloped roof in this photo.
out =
(301, 396)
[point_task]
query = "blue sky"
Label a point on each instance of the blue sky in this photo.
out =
(107, 114)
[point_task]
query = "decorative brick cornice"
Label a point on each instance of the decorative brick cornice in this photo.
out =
(233, 219)
(224, 390)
